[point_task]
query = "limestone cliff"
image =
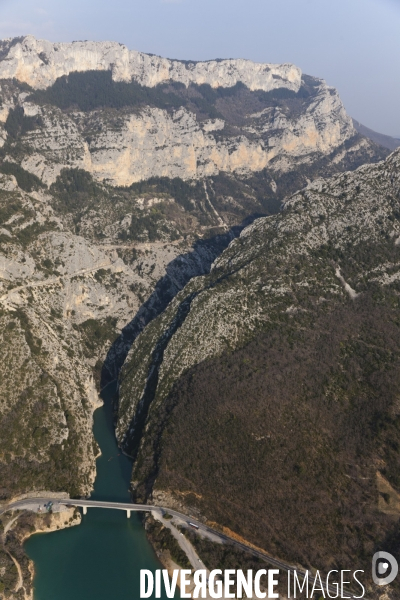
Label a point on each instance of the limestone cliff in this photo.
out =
(39, 63)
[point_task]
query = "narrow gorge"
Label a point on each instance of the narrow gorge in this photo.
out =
(152, 232)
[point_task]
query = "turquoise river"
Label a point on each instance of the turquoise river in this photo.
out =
(101, 558)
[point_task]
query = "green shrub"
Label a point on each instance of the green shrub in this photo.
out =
(26, 181)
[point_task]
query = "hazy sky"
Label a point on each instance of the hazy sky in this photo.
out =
(352, 44)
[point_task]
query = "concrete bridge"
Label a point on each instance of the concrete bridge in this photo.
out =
(128, 507)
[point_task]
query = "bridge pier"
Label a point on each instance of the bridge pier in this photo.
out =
(84, 510)
(128, 513)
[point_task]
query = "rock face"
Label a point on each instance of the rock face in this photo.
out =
(156, 142)
(39, 63)
(272, 383)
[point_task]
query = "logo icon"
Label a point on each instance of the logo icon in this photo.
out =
(384, 568)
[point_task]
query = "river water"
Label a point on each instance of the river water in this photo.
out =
(101, 558)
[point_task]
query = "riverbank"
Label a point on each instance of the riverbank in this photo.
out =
(18, 527)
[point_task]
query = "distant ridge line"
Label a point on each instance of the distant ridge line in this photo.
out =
(386, 141)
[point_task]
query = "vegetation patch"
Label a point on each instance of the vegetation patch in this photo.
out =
(97, 333)
(182, 191)
(229, 422)
(96, 89)
(75, 190)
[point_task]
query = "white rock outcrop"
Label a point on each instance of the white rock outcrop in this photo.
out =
(39, 63)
